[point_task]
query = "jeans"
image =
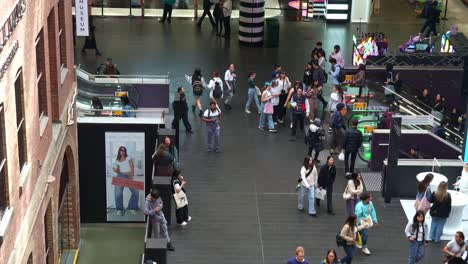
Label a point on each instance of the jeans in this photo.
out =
(349, 250)
(364, 234)
(269, 118)
(252, 95)
(230, 93)
(350, 204)
(349, 167)
(118, 194)
(167, 13)
(159, 229)
(182, 214)
(301, 196)
(437, 227)
(213, 135)
(297, 118)
(416, 251)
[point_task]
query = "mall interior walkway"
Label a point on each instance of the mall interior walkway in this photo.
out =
(242, 200)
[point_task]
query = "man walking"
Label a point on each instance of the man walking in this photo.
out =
(432, 14)
(319, 78)
(212, 118)
(167, 13)
(301, 109)
(230, 80)
(352, 143)
(180, 108)
(227, 10)
(153, 209)
(206, 12)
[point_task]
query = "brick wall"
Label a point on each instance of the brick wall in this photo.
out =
(25, 232)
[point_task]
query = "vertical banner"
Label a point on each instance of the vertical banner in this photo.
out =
(392, 157)
(81, 13)
(125, 176)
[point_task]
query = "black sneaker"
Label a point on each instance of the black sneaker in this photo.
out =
(189, 131)
(170, 247)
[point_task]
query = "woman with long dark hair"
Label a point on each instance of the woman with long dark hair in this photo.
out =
(163, 161)
(417, 231)
(348, 233)
(456, 247)
(440, 211)
(424, 190)
(198, 83)
(326, 178)
(308, 182)
(124, 167)
(292, 91)
(178, 183)
(330, 258)
(172, 149)
(352, 192)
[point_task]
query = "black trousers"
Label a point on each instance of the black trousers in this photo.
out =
(298, 118)
(167, 13)
(207, 12)
(278, 112)
(227, 26)
(316, 154)
(349, 167)
(184, 117)
(219, 24)
(329, 190)
(182, 214)
(320, 97)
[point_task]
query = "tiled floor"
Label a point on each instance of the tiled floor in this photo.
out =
(242, 200)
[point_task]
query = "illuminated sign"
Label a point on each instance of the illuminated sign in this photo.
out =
(4, 65)
(81, 12)
(10, 23)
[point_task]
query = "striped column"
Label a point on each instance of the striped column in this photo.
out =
(251, 20)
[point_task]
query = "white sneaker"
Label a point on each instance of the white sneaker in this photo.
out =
(119, 213)
(366, 251)
(132, 212)
(247, 111)
(189, 219)
(358, 246)
(183, 223)
(291, 125)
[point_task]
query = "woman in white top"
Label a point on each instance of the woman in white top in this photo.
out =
(456, 247)
(417, 232)
(230, 81)
(124, 168)
(353, 190)
(321, 59)
(216, 92)
(283, 87)
(462, 183)
(308, 183)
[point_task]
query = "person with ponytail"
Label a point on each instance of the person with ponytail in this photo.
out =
(456, 247)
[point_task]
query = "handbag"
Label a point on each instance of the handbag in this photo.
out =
(346, 194)
(340, 242)
(341, 156)
(268, 108)
(423, 204)
(320, 193)
(180, 199)
(367, 222)
(358, 239)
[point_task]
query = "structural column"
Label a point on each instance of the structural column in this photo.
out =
(251, 22)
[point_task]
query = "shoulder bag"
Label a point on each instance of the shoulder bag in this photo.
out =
(423, 204)
(180, 199)
(346, 194)
(367, 222)
(320, 193)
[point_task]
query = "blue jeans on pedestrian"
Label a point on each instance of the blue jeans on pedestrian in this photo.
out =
(350, 205)
(437, 228)
(416, 251)
(301, 197)
(213, 136)
(252, 95)
(268, 117)
(349, 250)
(118, 193)
(364, 234)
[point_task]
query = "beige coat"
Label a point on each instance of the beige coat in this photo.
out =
(348, 234)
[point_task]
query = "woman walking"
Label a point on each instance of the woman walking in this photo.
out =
(330, 258)
(456, 247)
(284, 85)
(124, 167)
(163, 161)
(292, 91)
(326, 178)
(365, 212)
(252, 93)
(308, 182)
(440, 211)
(359, 79)
(337, 126)
(424, 191)
(198, 83)
(314, 139)
(416, 231)
(352, 192)
(267, 109)
(178, 183)
(348, 233)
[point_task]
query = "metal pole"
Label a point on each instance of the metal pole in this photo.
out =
(445, 11)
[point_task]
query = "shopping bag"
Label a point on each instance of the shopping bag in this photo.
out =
(341, 156)
(180, 199)
(358, 239)
(320, 193)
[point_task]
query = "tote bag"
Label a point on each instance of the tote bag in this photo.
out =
(180, 199)
(268, 108)
(320, 193)
(423, 204)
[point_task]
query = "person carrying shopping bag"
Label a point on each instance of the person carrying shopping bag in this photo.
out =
(367, 218)
(308, 182)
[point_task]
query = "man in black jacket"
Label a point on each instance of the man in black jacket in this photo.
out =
(353, 141)
(206, 11)
(181, 110)
(432, 16)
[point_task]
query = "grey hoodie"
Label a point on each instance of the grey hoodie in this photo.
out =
(151, 210)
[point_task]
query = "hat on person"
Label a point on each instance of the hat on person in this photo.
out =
(340, 106)
(317, 122)
(267, 83)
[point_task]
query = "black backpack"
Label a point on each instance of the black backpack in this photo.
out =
(341, 75)
(217, 91)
